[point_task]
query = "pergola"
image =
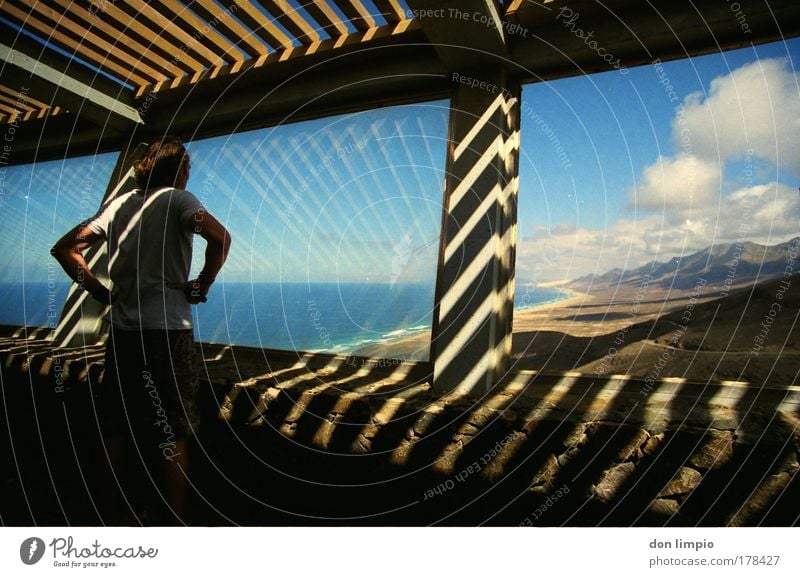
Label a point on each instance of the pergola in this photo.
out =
(103, 75)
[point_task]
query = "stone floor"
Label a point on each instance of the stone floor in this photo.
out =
(320, 440)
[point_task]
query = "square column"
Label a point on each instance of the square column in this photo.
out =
(81, 322)
(471, 344)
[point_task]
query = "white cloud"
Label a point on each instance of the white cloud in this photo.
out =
(685, 183)
(765, 213)
(681, 204)
(754, 107)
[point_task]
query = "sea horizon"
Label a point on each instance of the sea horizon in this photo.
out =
(324, 316)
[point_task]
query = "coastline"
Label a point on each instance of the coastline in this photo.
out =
(416, 346)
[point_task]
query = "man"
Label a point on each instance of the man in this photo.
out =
(151, 377)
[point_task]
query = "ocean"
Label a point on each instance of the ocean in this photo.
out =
(330, 317)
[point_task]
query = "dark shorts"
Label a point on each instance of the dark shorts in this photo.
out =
(149, 389)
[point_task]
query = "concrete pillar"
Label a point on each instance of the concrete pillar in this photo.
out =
(471, 343)
(81, 321)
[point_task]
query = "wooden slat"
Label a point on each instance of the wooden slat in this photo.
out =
(54, 77)
(170, 38)
(41, 113)
(86, 38)
(29, 115)
(24, 105)
(544, 12)
(14, 95)
(247, 40)
(8, 91)
(358, 37)
(290, 19)
(204, 32)
(41, 107)
(261, 25)
(142, 20)
(120, 37)
(38, 103)
(28, 108)
(391, 10)
(66, 43)
(327, 18)
(8, 110)
(357, 13)
(514, 5)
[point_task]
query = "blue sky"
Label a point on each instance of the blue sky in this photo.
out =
(601, 157)
(357, 198)
(351, 198)
(39, 203)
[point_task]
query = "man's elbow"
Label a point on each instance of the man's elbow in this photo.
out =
(57, 251)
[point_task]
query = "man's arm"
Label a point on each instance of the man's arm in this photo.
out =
(68, 251)
(218, 243)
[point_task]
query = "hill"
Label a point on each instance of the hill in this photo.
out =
(723, 267)
(752, 334)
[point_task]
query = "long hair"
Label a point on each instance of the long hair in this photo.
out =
(163, 165)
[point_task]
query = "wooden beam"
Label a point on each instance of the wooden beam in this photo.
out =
(203, 32)
(292, 20)
(53, 79)
(164, 33)
(138, 29)
(86, 40)
(55, 137)
(359, 77)
(357, 13)
(120, 36)
(218, 17)
(65, 42)
(40, 109)
(261, 25)
(19, 104)
(467, 34)
(548, 50)
(327, 18)
(10, 110)
(399, 33)
(391, 10)
(639, 34)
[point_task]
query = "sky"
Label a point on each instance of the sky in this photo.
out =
(39, 203)
(349, 198)
(618, 170)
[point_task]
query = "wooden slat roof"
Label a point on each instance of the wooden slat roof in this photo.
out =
(157, 64)
(148, 47)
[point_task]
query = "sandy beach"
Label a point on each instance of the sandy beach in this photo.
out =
(685, 334)
(654, 334)
(590, 315)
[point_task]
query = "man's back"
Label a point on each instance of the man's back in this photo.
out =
(150, 245)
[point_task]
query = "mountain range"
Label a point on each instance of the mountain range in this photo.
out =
(722, 266)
